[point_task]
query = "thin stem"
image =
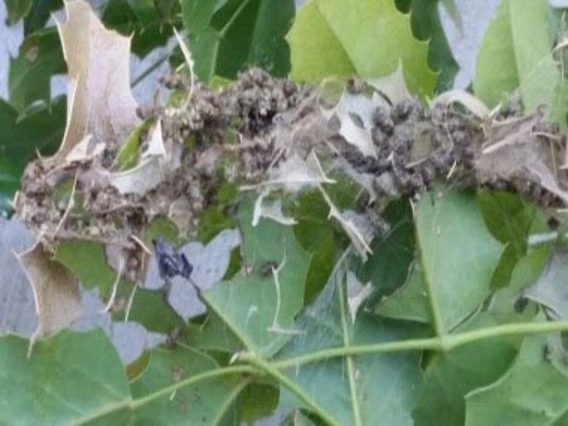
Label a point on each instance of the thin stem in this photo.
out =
(229, 401)
(238, 369)
(235, 15)
(347, 343)
(269, 368)
(443, 343)
(436, 321)
(153, 67)
(408, 345)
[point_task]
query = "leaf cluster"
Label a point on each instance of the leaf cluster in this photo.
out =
(351, 297)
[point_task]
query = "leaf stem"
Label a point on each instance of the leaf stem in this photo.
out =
(232, 19)
(443, 343)
(435, 314)
(153, 67)
(225, 371)
(137, 403)
(270, 369)
(347, 343)
(229, 401)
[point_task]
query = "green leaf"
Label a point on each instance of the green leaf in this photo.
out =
(144, 11)
(427, 25)
(204, 403)
(510, 219)
(550, 290)
(495, 73)
(39, 14)
(387, 267)
(533, 392)
(151, 310)
(137, 367)
(458, 255)
(258, 308)
(140, 20)
(17, 9)
(68, 378)
(316, 235)
(338, 38)
(9, 182)
(228, 37)
(508, 216)
(22, 136)
(39, 58)
(516, 52)
(410, 302)
(526, 272)
(377, 389)
(453, 13)
(197, 14)
(129, 153)
(35, 129)
(218, 217)
(88, 262)
(298, 418)
(213, 335)
(562, 420)
(169, 11)
(456, 373)
(257, 401)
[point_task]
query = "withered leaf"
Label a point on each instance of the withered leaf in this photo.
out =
(56, 291)
(100, 101)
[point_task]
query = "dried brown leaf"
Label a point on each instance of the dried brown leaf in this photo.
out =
(472, 104)
(355, 112)
(100, 101)
(270, 210)
(294, 174)
(360, 238)
(56, 291)
(515, 152)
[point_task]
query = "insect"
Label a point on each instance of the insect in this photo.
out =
(171, 262)
(174, 337)
(267, 267)
(521, 304)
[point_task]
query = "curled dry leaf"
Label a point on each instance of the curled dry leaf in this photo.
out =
(149, 173)
(270, 210)
(81, 153)
(473, 104)
(294, 174)
(358, 236)
(519, 153)
(56, 291)
(101, 103)
(355, 112)
(189, 62)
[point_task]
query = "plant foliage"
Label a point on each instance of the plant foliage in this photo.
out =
(401, 252)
